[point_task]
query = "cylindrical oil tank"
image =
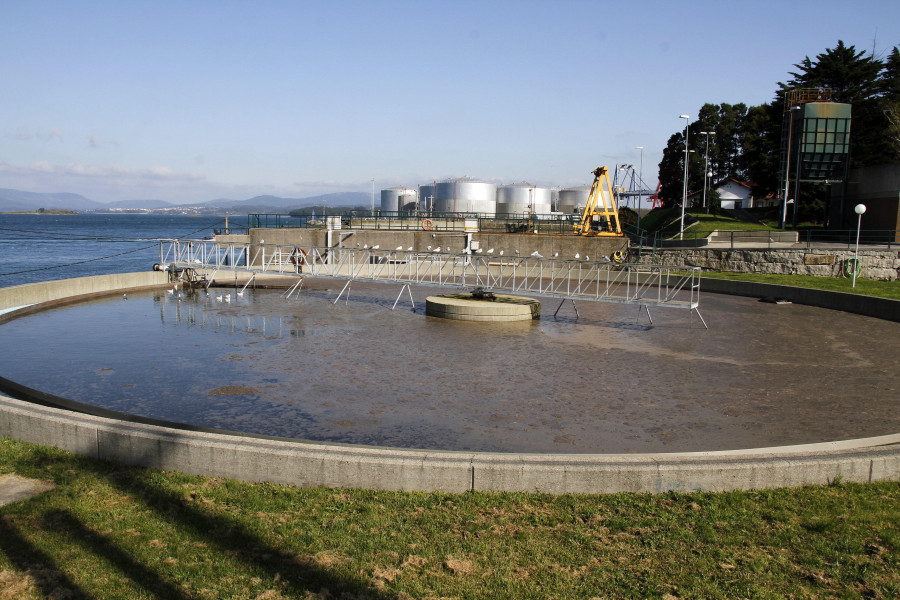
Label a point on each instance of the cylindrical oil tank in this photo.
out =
(523, 199)
(465, 195)
(396, 198)
(573, 200)
(426, 197)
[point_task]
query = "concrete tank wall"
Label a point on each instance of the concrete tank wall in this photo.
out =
(466, 195)
(574, 199)
(397, 198)
(523, 199)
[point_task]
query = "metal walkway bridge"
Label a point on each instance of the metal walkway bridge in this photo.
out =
(599, 281)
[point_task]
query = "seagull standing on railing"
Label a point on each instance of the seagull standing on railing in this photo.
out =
(536, 254)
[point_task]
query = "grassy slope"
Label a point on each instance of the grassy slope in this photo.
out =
(112, 532)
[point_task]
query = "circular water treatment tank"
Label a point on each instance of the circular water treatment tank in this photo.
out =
(523, 199)
(396, 198)
(465, 195)
(574, 199)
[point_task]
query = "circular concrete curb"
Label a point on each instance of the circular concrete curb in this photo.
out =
(463, 307)
(302, 463)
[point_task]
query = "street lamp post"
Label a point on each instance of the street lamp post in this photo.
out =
(687, 122)
(787, 170)
(859, 209)
(640, 192)
(706, 174)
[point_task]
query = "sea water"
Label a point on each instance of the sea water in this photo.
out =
(45, 247)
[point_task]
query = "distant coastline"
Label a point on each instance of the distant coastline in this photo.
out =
(44, 211)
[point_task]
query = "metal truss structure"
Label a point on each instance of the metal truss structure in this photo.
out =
(599, 281)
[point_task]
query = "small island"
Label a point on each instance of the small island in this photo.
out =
(43, 211)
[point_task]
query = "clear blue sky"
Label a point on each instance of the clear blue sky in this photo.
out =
(189, 101)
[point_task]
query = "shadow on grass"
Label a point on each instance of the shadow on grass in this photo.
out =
(28, 559)
(297, 577)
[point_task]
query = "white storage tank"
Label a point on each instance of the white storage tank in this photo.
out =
(397, 198)
(523, 199)
(465, 195)
(573, 200)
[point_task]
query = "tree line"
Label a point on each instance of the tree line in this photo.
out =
(746, 144)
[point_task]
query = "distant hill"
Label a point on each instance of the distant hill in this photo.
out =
(138, 204)
(12, 200)
(18, 200)
(278, 203)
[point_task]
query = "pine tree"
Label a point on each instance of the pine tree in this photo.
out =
(854, 78)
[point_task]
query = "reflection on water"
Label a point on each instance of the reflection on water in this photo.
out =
(358, 372)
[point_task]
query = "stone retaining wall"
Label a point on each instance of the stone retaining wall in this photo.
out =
(875, 264)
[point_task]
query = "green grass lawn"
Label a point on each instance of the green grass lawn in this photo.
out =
(107, 531)
(710, 223)
(867, 287)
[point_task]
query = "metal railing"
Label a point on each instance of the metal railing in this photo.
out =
(644, 285)
(431, 221)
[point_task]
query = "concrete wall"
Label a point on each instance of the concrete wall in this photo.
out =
(313, 464)
(875, 264)
(334, 465)
(880, 308)
(36, 293)
(545, 244)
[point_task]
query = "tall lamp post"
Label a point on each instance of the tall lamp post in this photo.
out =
(640, 192)
(706, 173)
(859, 209)
(787, 170)
(687, 122)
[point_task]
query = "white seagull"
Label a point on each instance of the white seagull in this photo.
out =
(537, 254)
(491, 251)
(399, 248)
(501, 253)
(577, 256)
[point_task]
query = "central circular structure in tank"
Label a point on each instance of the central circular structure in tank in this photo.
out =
(489, 308)
(357, 372)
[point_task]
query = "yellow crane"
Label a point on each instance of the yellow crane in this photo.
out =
(596, 220)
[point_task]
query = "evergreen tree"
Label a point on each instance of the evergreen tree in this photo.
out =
(760, 138)
(890, 100)
(854, 78)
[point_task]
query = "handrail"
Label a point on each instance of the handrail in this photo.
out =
(602, 281)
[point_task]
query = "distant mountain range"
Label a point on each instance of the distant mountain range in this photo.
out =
(17, 200)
